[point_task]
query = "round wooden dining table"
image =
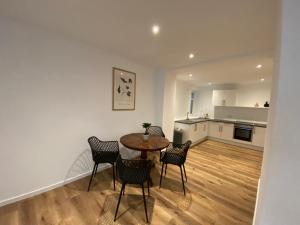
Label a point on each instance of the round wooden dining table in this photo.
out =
(136, 142)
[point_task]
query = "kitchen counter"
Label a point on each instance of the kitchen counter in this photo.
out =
(225, 120)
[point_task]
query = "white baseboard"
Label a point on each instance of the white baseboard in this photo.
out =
(50, 187)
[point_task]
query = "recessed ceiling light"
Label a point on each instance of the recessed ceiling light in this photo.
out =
(190, 75)
(209, 83)
(262, 80)
(191, 55)
(259, 66)
(155, 29)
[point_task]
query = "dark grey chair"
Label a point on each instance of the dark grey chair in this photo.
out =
(133, 172)
(156, 130)
(103, 152)
(175, 154)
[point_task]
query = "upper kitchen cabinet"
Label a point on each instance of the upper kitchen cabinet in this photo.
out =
(224, 97)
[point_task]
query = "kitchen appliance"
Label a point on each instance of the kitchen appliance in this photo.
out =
(243, 132)
(177, 137)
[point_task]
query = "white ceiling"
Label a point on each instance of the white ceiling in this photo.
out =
(231, 70)
(211, 29)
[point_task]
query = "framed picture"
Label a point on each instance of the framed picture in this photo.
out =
(123, 89)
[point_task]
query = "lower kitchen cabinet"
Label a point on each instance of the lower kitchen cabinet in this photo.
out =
(227, 131)
(214, 129)
(258, 137)
(194, 132)
(221, 130)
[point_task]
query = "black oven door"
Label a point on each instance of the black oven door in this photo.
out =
(243, 133)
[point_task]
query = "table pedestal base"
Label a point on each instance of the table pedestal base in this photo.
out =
(144, 155)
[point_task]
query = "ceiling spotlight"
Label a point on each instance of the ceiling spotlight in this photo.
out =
(262, 80)
(209, 83)
(155, 29)
(191, 55)
(259, 66)
(190, 75)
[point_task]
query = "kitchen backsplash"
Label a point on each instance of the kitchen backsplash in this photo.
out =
(242, 113)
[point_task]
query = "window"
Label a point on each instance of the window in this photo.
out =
(192, 102)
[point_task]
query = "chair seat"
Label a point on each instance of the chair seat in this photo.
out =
(172, 158)
(132, 177)
(106, 157)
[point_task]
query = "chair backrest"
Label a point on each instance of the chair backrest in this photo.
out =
(186, 146)
(156, 130)
(98, 146)
(133, 171)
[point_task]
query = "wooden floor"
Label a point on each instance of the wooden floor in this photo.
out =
(221, 190)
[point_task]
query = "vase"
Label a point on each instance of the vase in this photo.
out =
(145, 137)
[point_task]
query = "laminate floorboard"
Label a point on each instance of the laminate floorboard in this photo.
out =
(221, 190)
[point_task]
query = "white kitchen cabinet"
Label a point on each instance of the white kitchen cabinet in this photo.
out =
(227, 131)
(194, 132)
(214, 130)
(221, 130)
(258, 137)
(203, 129)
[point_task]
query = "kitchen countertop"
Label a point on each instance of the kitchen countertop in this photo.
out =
(224, 120)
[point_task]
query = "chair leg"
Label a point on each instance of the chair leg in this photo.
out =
(123, 186)
(148, 187)
(92, 177)
(114, 176)
(166, 169)
(160, 156)
(124, 190)
(161, 173)
(96, 170)
(182, 180)
(145, 205)
(184, 173)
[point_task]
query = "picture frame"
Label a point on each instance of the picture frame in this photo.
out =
(124, 89)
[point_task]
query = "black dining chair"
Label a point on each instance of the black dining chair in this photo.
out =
(103, 152)
(175, 154)
(156, 130)
(133, 172)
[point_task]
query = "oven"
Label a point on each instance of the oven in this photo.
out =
(243, 132)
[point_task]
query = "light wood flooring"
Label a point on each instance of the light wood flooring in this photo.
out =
(221, 190)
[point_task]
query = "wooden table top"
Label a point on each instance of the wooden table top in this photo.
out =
(135, 141)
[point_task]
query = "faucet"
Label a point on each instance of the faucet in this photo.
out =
(187, 116)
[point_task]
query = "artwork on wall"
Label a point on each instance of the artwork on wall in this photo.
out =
(123, 89)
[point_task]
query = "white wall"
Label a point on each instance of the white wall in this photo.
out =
(169, 104)
(248, 94)
(279, 199)
(182, 102)
(54, 94)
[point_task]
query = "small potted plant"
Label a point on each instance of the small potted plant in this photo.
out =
(146, 134)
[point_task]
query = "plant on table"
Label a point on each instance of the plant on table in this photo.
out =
(146, 126)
